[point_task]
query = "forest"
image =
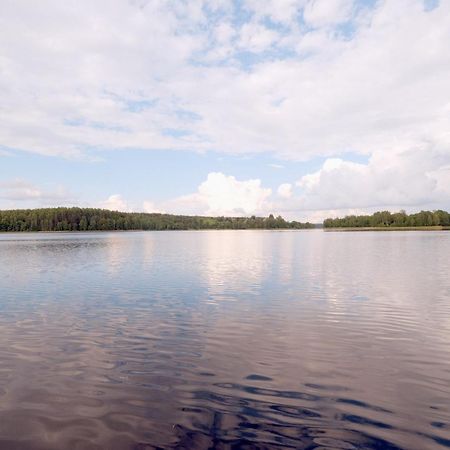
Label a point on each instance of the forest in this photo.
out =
(92, 219)
(382, 219)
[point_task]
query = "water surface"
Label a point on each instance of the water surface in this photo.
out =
(225, 339)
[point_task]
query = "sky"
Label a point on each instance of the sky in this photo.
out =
(304, 108)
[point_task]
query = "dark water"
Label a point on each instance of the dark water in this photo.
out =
(225, 339)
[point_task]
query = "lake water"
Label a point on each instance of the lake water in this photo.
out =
(225, 339)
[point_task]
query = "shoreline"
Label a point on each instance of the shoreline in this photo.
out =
(330, 229)
(142, 231)
(424, 228)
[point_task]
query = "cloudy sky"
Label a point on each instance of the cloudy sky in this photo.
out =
(304, 108)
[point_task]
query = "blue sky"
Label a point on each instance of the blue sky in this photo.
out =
(305, 108)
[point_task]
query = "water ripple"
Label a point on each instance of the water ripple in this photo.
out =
(225, 340)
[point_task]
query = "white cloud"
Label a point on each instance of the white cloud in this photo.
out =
(285, 190)
(224, 33)
(97, 79)
(410, 180)
(326, 12)
(255, 37)
(338, 188)
(219, 195)
(115, 202)
(151, 207)
(20, 193)
(121, 74)
(282, 11)
(224, 195)
(19, 190)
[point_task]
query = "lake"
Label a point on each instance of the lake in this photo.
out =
(225, 339)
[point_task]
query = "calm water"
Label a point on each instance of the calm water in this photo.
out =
(225, 339)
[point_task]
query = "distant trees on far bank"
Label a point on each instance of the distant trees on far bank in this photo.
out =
(92, 219)
(387, 219)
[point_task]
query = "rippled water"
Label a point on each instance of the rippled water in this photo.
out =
(225, 339)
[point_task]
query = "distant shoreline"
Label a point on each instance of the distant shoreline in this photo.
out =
(424, 228)
(95, 219)
(319, 228)
(73, 219)
(164, 230)
(157, 230)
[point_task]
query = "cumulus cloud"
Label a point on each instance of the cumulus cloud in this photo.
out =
(151, 207)
(219, 195)
(339, 187)
(285, 190)
(115, 202)
(410, 180)
(224, 195)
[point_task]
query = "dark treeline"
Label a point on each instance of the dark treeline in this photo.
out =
(386, 219)
(90, 219)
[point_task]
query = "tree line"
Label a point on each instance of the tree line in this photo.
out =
(93, 219)
(387, 219)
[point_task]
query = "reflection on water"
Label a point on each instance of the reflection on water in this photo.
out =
(225, 339)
